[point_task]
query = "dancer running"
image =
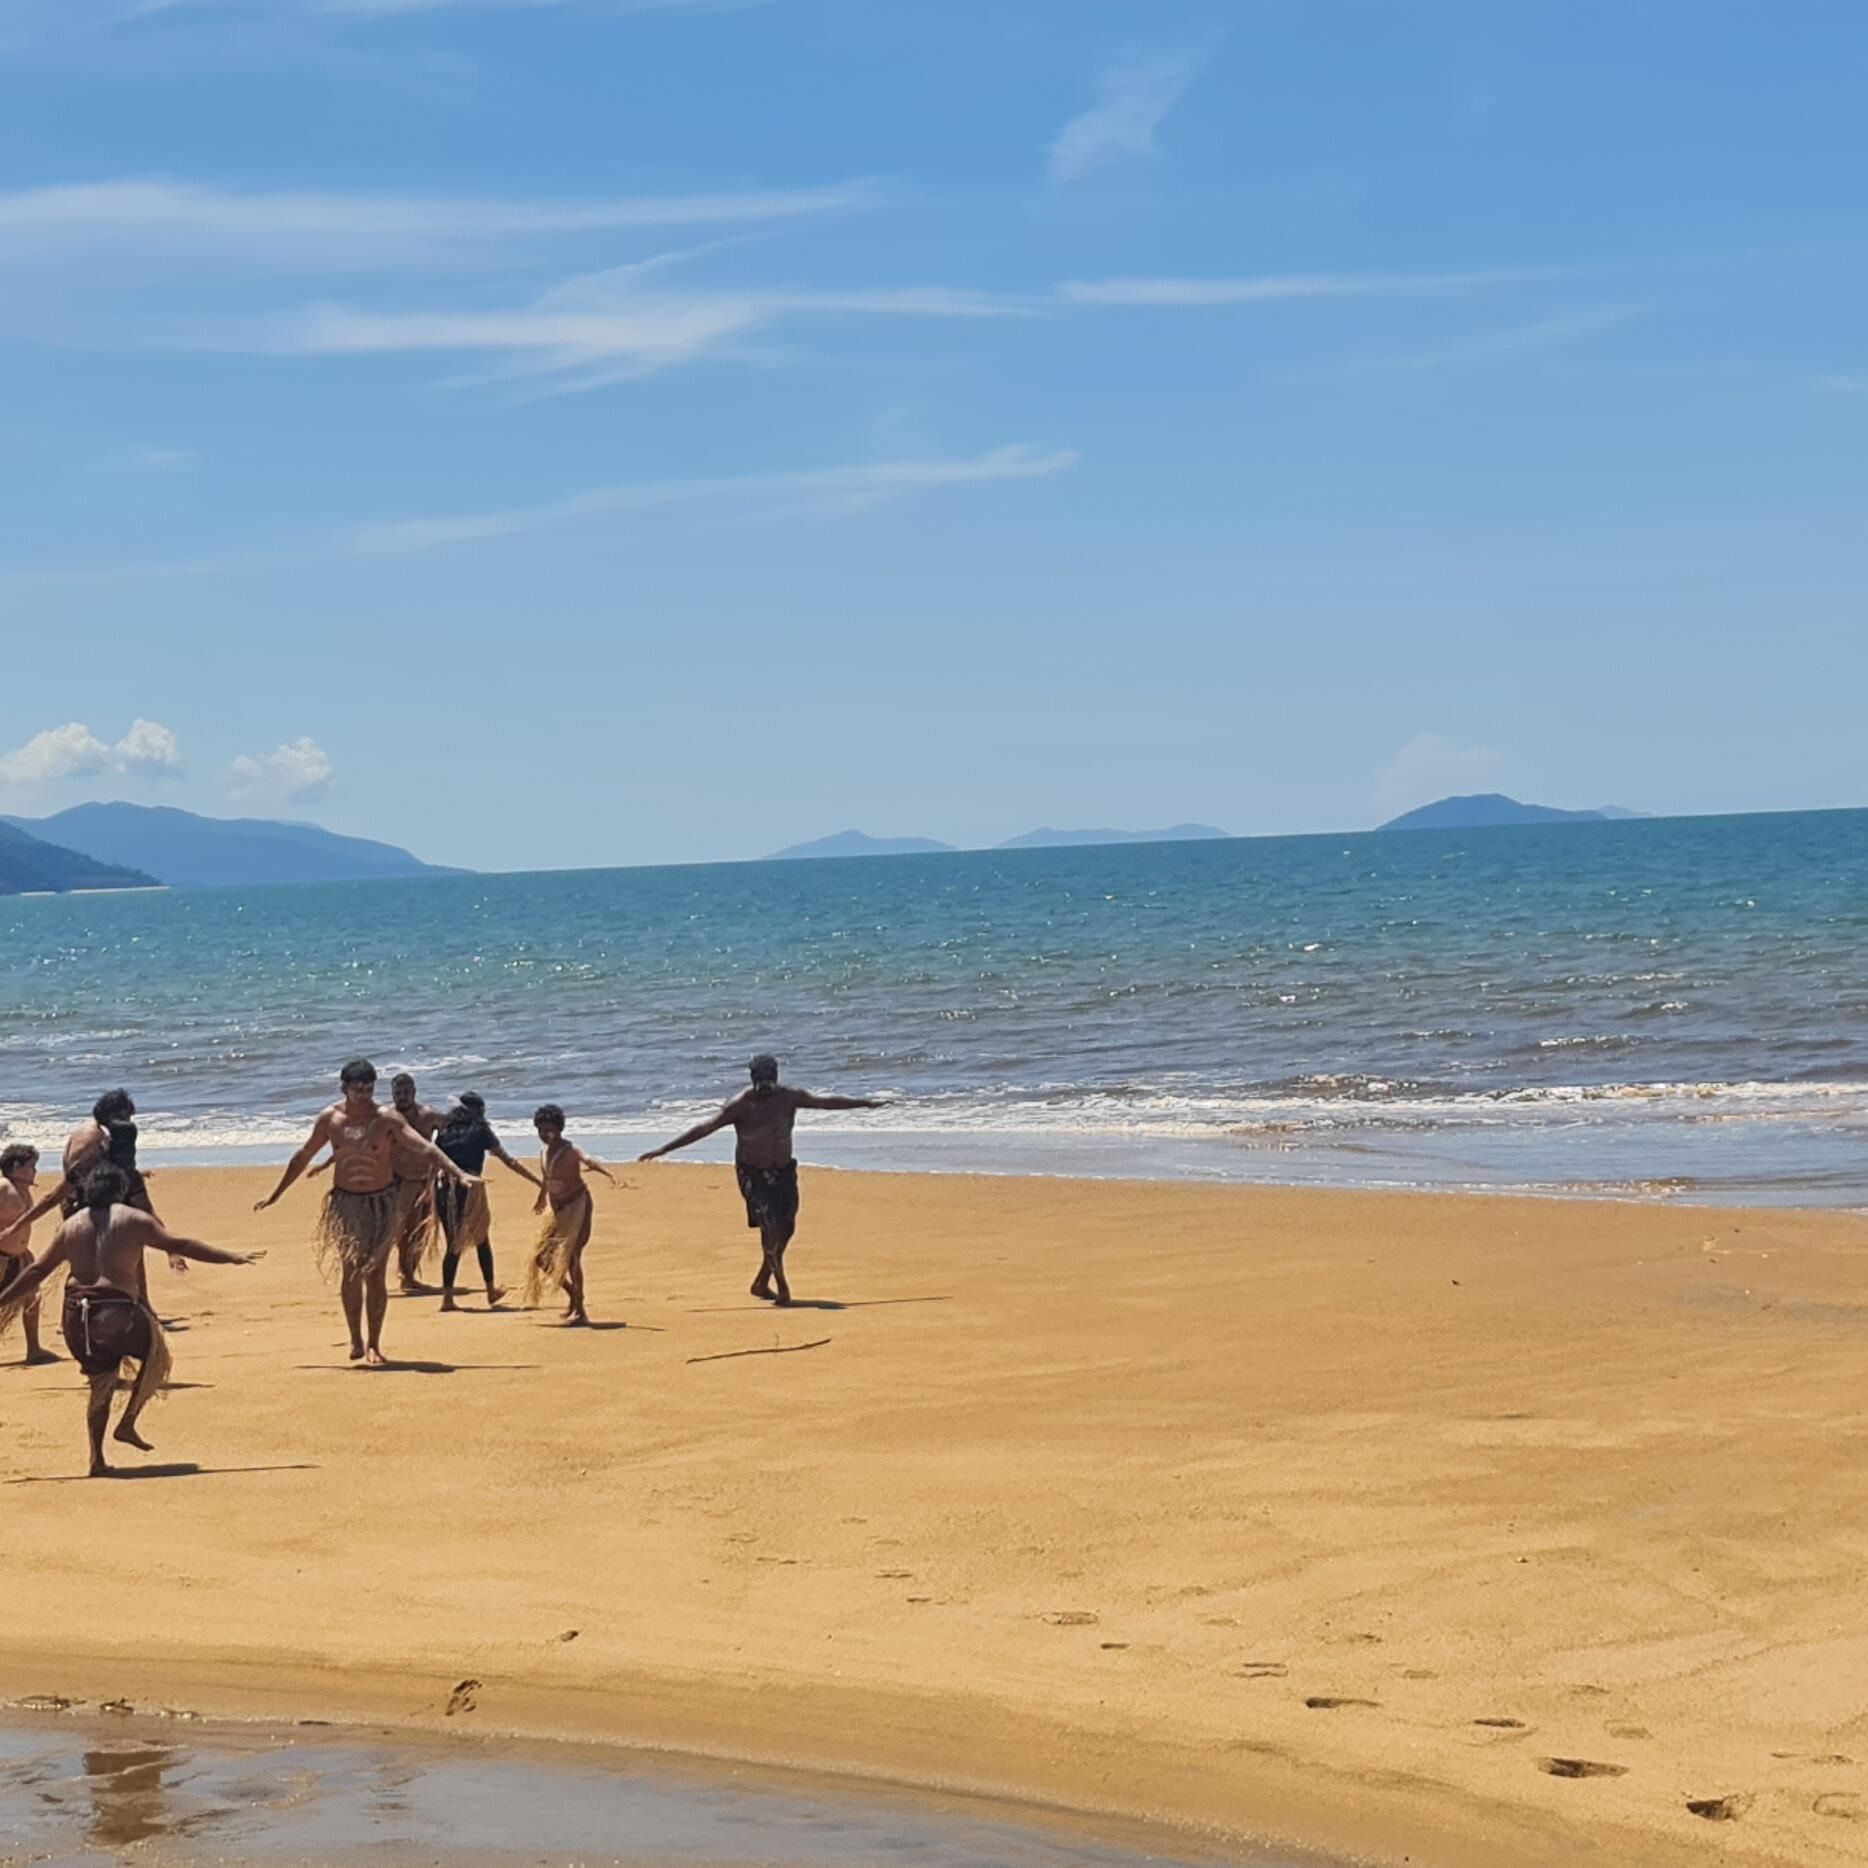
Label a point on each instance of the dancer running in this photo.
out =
(106, 1323)
(558, 1258)
(762, 1118)
(357, 1226)
(19, 1168)
(466, 1216)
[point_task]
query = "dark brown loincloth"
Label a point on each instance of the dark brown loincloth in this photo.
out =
(356, 1230)
(770, 1193)
(11, 1268)
(105, 1327)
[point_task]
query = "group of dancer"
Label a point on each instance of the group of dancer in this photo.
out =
(398, 1172)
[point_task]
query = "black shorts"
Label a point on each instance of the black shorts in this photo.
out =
(771, 1195)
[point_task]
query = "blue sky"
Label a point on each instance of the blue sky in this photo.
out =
(548, 434)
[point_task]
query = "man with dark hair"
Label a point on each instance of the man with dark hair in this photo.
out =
(110, 1135)
(564, 1199)
(19, 1168)
(761, 1118)
(357, 1227)
(467, 1138)
(106, 1322)
(414, 1186)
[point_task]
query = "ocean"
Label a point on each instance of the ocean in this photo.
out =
(1669, 1008)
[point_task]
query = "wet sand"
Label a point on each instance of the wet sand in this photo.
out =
(1471, 1531)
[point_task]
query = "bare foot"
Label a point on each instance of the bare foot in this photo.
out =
(37, 1358)
(130, 1437)
(576, 1318)
(762, 1291)
(495, 1296)
(448, 1303)
(101, 1468)
(356, 1352)
(373, 1358)
(784, 1296)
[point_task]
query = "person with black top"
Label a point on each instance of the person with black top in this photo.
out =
(467, 1138)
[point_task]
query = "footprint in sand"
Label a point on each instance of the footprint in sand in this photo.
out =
(1579, 1767)
(570, 1634)
(1114, 1647)
(1070, 1618)
(895, 1576)
(1718, 1809)
(1628, 1731)
(1503, 1725)
(1418, 1673)
(1844, 1805)
(1324, 1702)
(462, 1698)
(1262, 1670)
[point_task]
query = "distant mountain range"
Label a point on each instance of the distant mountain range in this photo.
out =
(190, 852)
(31, 866)
(859, 843)
(1488, 809)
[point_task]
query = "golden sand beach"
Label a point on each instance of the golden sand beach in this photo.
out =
(1456, 1531)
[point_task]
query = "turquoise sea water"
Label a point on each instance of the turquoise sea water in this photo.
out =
(1675, 1006)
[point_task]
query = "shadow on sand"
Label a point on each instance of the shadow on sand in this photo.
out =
(164, 1469)
(816, 1303)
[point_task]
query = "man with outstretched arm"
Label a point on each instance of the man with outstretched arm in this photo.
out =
(357, 1226)
(761, 1118)
(106, 1322)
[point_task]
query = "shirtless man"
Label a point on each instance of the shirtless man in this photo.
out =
(110, 1135)
(558, 1258)
(105, 1322)
(414, 1185)
(762, 1119)
(19, 1168)
(357, 1227)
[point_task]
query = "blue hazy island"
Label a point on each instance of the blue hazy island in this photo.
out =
(1488, 810)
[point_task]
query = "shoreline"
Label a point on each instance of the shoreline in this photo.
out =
(1237, 1509)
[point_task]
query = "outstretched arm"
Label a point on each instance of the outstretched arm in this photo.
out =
(596, 1166)
(809, 1099)
(688, 1137)
(159, 1236)
(417, 1143)
(518, 1167)
(20, 1291)
(297, 1165)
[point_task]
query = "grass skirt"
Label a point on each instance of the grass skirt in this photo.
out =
(562, 1235)
(356, 1231)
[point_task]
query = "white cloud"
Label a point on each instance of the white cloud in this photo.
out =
(1430, 767)
(1133, 100)
(337, 232)
(822, 492)
(147, 750)
(1521, 340)
(596, 329)
(299, 769)
(1270, 288)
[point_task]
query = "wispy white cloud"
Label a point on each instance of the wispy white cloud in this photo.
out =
(1269, 288)
(1522, 340)
(147, 750)
(300, 768)
(1844, 385)
(823, 492)
(187, 221)
(1133, 100)
(593, 330)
